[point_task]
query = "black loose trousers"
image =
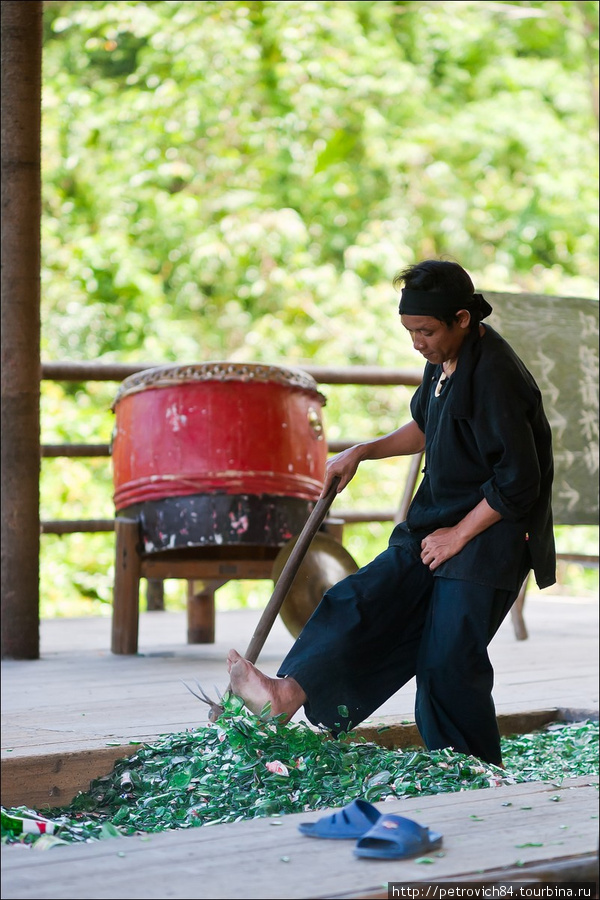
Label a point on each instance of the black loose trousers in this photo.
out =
(393, 620)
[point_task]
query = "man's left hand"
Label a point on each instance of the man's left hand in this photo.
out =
(439, 546)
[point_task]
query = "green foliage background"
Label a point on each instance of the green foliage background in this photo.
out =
(241, 180)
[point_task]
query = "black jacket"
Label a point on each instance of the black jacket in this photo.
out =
(486, 435)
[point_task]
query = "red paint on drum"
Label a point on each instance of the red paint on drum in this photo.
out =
(218, 428)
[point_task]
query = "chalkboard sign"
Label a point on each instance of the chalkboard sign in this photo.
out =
(557, 339)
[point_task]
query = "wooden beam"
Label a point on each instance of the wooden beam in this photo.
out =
(21, 91)
(92, 371)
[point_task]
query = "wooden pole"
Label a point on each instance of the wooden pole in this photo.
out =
(20, 332)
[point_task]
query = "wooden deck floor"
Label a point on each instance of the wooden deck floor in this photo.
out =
(67, 716)
(503, 834)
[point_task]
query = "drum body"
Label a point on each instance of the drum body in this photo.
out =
(218, 454)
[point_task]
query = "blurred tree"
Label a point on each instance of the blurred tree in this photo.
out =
(221, 164)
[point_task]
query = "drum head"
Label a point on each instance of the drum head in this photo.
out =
(220, 372)
(325, 563)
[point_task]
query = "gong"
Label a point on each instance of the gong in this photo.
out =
(326, 562)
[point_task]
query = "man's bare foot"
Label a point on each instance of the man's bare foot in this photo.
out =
(284, 695)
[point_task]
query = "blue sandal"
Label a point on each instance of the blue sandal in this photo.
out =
(394, 837)
(352, 822)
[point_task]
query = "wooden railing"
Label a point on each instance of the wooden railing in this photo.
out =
(117, 372)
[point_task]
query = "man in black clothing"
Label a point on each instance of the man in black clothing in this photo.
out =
(429, 605)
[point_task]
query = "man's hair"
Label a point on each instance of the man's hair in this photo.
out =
(443, 276)
(436, 275)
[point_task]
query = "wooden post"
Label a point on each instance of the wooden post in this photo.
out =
(416, 462)
(335, 528)
(125, 618)
(155, 594)
(516, 613)
(20, 327)
(201, 611)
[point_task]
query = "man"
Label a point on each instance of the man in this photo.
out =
(429, 605)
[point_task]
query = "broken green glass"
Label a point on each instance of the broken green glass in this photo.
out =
(244, 767)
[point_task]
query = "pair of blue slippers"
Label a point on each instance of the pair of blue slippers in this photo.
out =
(377, 835)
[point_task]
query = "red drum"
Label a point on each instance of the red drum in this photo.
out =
(218, 453)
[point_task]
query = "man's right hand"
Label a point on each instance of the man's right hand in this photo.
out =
(344, 466)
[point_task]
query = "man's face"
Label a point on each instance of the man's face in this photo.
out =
(435, 340)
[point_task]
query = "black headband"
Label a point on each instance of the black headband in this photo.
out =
(440, 305)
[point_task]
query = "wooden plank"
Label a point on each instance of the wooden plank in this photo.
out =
(42, 782)
(201, 569)
(388, 732)
(583, 868)
(507, 829)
